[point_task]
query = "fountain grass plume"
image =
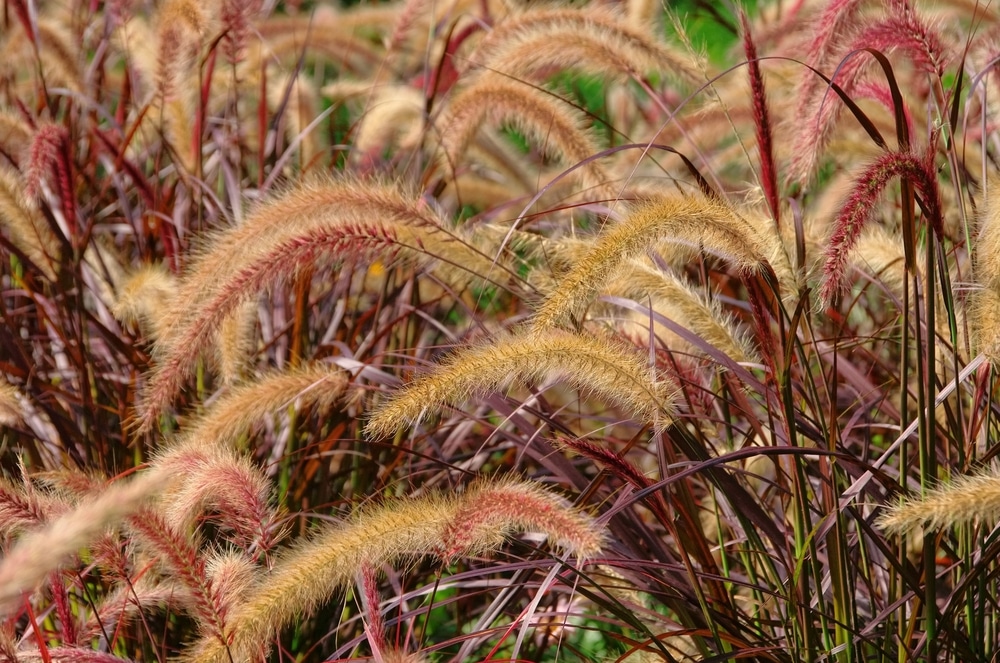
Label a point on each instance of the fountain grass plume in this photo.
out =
(44, 157)
(902, 31)
(144, 297)
(394, 116)
(862, 202)
(127, 600)
(594, 40)
(472, 523)
(987, 245)
(243, 495)
(710, 224)
(210, 475)
(761, 120)
(15, 134)
(493, 100)
(317, 221)
(177, 552)
(235, 342)
(232, 573)
(179, 27)
(223, 423)
(969, 499)
(398, 656)
(492, 510)
(23, 508)
(236, 17)
(217, 484)
(41, 551)
(983, 304)
(603, 366)
(11, 411)
(879, 252)
(67, 655)
(686, 305)
(24, 225)
(57, 50)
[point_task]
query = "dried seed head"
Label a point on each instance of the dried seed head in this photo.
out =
(608, 368)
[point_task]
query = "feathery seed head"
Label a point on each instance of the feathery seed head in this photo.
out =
(144, 296)
(317, 221)
(531, 44)
(761, 119)
(10, 405)
(177, 552)
(493, 99)
(983, 307)
(234, 343)
(21, 221)
(231, 574)
(42, 551)
(608, 368)
(700, 222)
(180, 25)
(394, 115)
(236, 16)
(23, 508)
(967, 500)
(924, 45)
(57, 50)
(42, 157)
(987, 245)
(400, 656)
(861, 204)
(220, 482)
(880, 253)
(190, 14)
(305, 576)
(818, 109)
(679, 301)
(474, 521)
(125, 603)
(221, 425)
(983, 303)
(829, 28)
(901, 30)
(492, 510)
(15, 133)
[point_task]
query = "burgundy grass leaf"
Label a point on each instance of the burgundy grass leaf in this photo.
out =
(881, 93)
(24, 16)
(862, 202)
(761, 121)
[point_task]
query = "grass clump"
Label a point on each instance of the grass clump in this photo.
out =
(483, 330)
